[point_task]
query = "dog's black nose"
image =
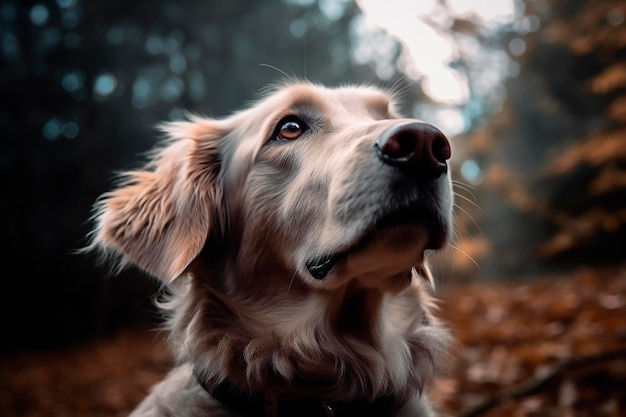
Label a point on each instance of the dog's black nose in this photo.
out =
(418, 148)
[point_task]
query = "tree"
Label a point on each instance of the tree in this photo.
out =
(555, 156)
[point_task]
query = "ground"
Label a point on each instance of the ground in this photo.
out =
(548, 346)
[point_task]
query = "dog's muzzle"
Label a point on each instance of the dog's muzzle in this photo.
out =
(418, 152)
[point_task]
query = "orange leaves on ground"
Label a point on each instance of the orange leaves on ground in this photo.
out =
(102, 378)
(513, 333)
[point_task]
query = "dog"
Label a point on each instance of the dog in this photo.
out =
(290, 238)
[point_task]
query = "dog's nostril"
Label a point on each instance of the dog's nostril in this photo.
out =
(418, 148)
(441, 148)
(401, 145)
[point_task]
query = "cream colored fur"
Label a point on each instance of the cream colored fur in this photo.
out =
(227, 218)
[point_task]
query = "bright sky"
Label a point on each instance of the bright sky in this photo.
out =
(421, 26)
(430, 49)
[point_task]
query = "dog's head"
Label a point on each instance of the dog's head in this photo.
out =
(312, 186)
(298, 225)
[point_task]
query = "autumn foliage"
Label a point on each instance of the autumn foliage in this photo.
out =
(551, 346)
(554, 156)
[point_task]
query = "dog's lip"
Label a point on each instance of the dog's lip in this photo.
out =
(418, 215)
(422, 215)
(320, 267)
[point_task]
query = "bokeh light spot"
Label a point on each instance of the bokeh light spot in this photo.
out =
(52, 128)
(105, 85)
(10, 45)
(39, 15)
(517, 46)
(298, 28)
(470, 170)
(176, 114)
(615, 17)
(70, 19)
(154, 45)
(115, 35)
(65, 3)
(7, 13)
(172, 89)
(195, 81)
(70, 130)
(73, 81)
(178, 63)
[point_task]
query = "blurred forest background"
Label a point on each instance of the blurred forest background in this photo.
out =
(531, 93)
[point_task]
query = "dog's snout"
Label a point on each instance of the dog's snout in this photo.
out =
(418, 148)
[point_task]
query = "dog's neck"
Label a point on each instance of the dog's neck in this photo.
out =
(346, 346)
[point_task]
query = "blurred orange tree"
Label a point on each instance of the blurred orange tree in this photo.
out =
(554, 157)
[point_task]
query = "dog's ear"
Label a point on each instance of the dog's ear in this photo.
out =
(159, 217)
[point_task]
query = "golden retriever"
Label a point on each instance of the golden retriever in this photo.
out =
(291, 238)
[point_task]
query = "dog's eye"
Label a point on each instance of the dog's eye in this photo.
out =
(290, 128)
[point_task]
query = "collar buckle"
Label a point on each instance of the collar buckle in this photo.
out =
(328, 409)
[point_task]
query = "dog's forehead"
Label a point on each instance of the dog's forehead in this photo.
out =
(331, 100)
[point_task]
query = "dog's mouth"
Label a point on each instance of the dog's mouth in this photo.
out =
(320, 267)
(427, 218)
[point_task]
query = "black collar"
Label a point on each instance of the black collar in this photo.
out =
(263, 404)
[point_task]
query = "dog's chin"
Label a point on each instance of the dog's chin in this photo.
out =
(385, 251)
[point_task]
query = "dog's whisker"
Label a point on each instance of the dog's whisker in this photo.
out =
(277, 70)
(462, 186)
(455, 237)
(473, 203)
(460, 224)
(397, 90)
(460, 190)
(458, 249)
(470, 217)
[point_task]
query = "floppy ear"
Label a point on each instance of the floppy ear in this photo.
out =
(159, 217)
